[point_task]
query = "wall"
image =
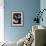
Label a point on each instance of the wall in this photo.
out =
(43, 6)
(29, 7)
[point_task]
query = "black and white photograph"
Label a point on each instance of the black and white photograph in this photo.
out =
(17, 18)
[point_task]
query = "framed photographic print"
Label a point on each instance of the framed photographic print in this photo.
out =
(17, 18)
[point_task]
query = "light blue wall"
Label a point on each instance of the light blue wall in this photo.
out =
(29, 7)
(43, 6)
